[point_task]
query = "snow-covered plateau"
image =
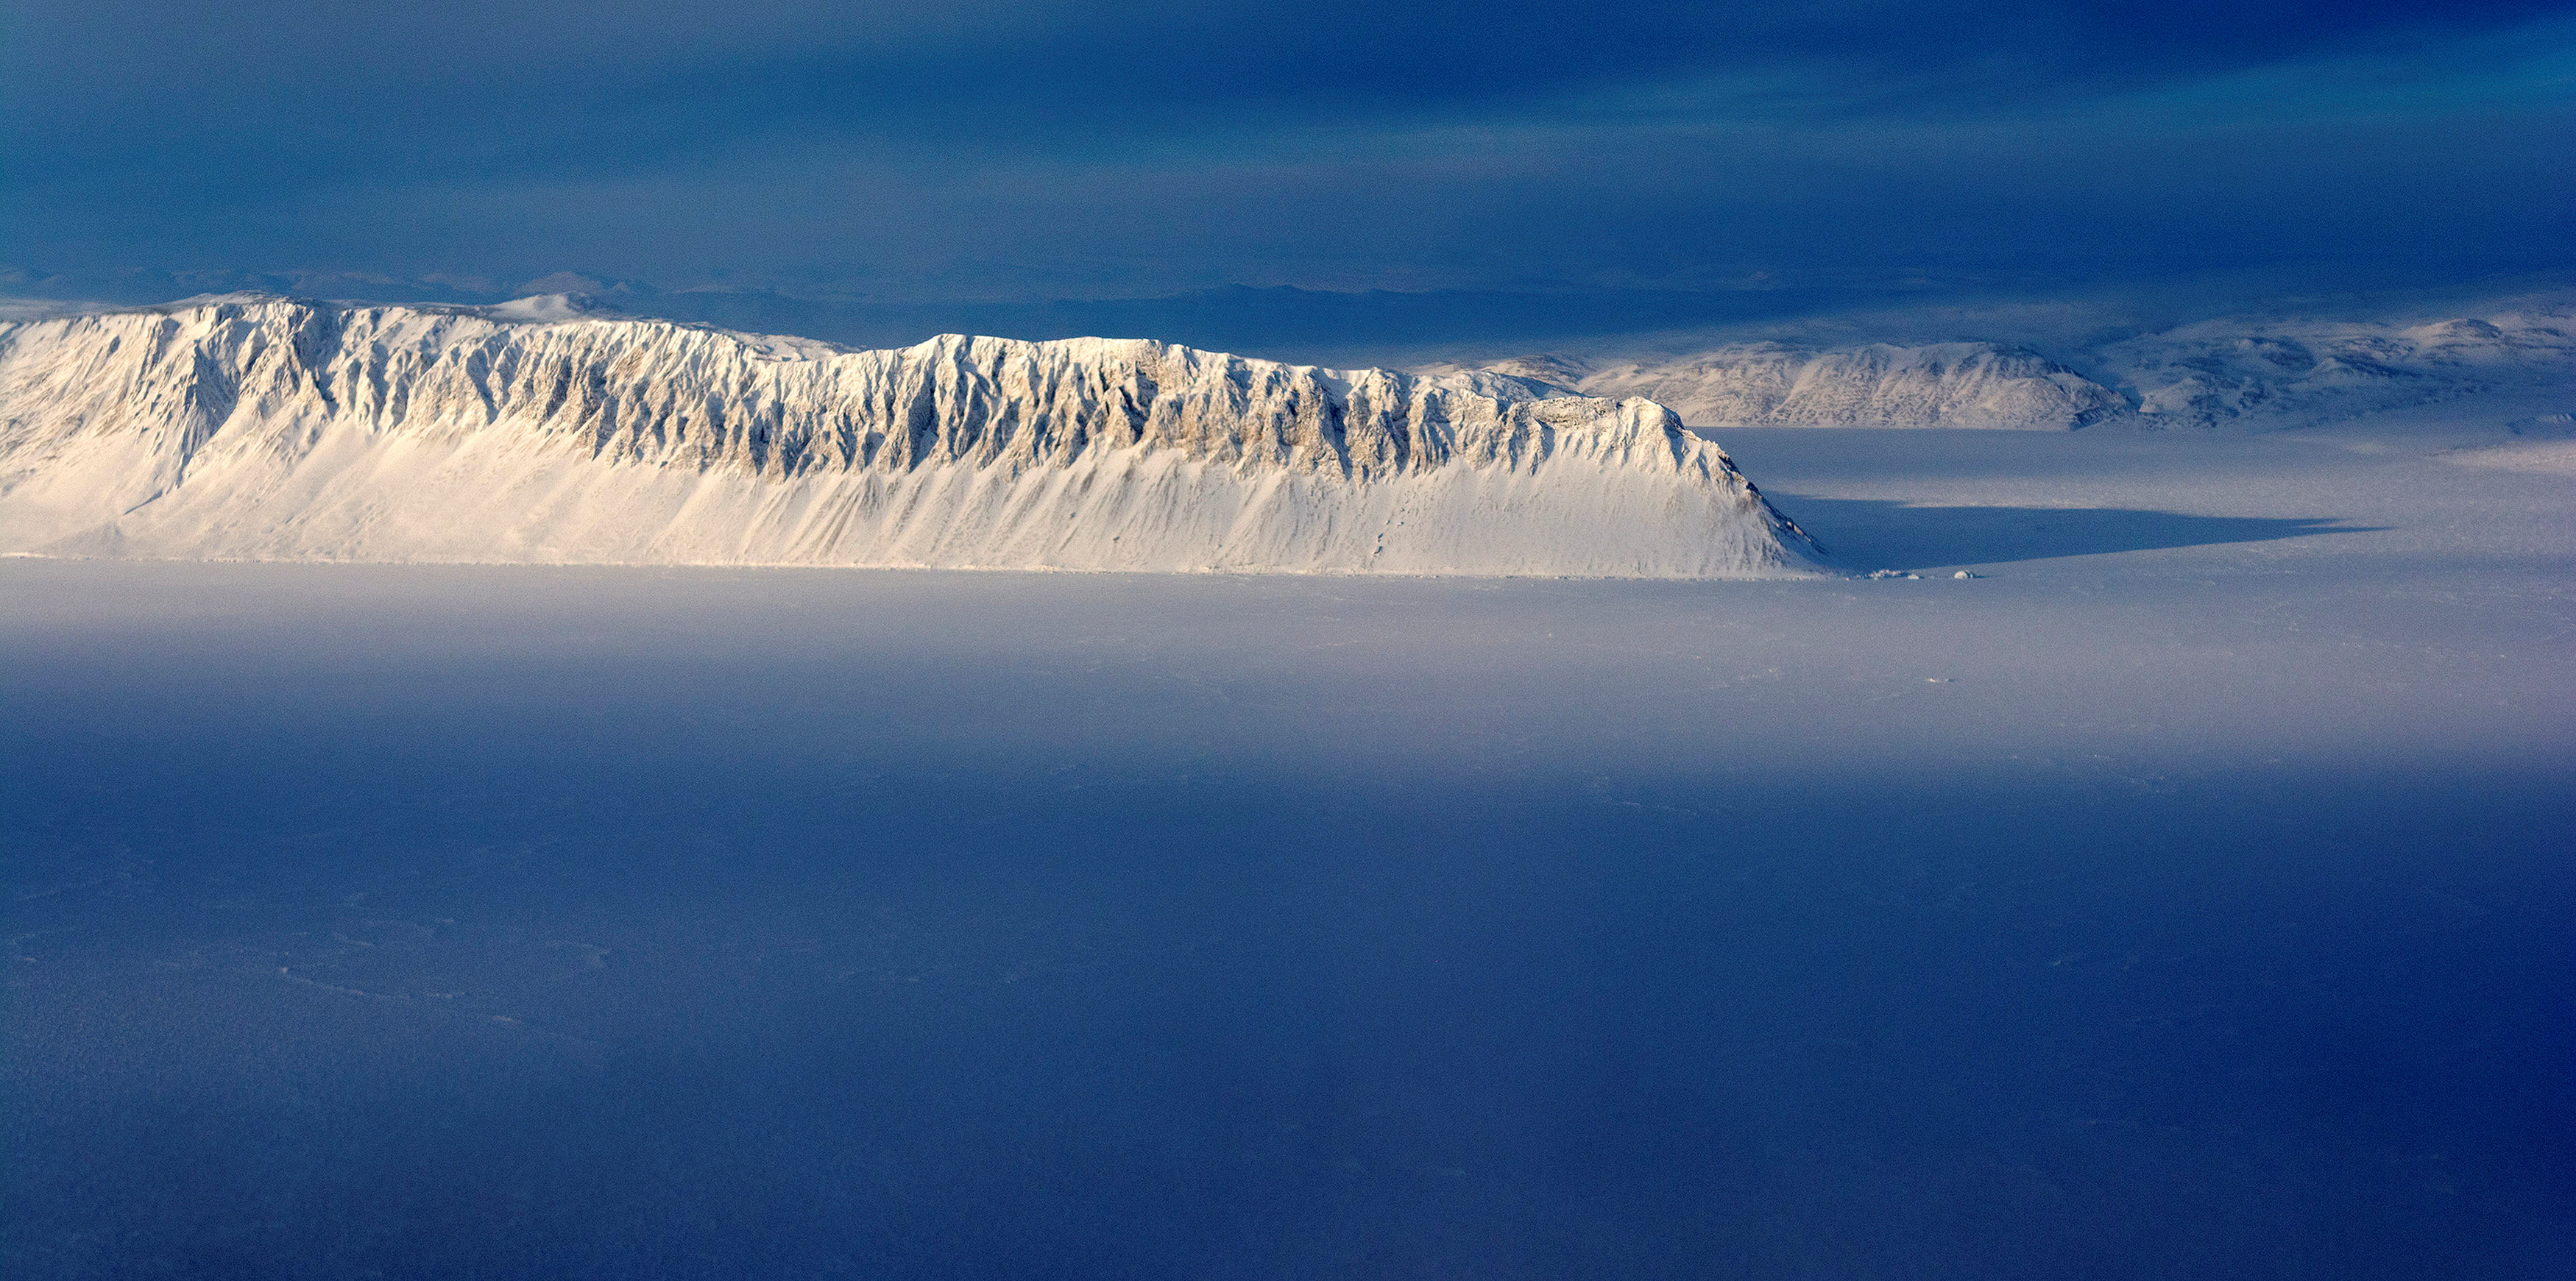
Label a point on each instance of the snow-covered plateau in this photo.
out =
(2248, 372)
(1965, 384)
(265, 428)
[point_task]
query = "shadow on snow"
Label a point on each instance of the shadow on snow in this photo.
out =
(1868, 531)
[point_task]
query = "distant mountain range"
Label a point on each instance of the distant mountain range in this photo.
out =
(553, 429)
(2241, 372)
(1803, 356)
(1277, 319)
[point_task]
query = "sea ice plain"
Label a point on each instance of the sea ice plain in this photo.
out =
(2188, 896)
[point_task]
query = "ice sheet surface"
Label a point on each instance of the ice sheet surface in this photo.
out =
(2188, 896)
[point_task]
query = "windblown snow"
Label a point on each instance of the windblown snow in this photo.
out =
(267, 428)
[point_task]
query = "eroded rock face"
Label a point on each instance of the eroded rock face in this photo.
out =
(270, 428)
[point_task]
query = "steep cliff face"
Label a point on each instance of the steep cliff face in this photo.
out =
(270, 428)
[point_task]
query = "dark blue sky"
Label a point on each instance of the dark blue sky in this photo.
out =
(920, 154)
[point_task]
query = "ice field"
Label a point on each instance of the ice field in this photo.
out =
(2189, 893)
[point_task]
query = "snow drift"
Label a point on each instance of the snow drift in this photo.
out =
(267, 428)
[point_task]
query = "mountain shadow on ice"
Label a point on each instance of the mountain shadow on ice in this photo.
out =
(1867, 532)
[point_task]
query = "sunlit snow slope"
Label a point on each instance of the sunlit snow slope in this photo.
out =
(2517, 360)
(1967, 384)
(254, 427)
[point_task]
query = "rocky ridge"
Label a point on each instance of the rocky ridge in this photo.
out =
(269, 428)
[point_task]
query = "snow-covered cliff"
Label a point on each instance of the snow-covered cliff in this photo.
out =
(267, 428)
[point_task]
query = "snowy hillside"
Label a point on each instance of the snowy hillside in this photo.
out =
(256, 427)
(1981, 385)
(2295, 372)
(2248, 371)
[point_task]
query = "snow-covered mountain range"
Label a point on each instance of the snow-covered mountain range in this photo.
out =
(2249, 372)
(2297, 372)
(1969, 384)
(258, 427)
